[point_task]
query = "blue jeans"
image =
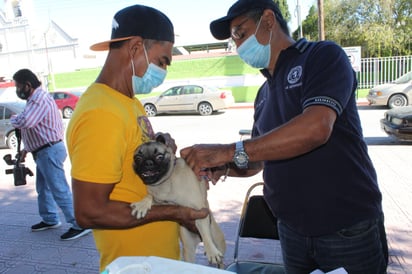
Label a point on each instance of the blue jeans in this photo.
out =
(52, 187)
(361, 248)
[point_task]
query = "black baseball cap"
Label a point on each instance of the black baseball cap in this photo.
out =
(220, 28)
(138, 20)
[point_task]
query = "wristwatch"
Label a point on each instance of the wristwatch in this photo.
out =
(241, 159)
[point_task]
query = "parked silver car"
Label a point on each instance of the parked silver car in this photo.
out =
(189, 98)
(395, 94)
(7, 132)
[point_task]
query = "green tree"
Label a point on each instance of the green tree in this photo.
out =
(380, 27)
(309, 25)
(284, 9)
(403, 22)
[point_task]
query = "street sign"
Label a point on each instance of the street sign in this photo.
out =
(354, 55)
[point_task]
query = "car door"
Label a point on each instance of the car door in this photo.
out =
(169, 100)
(59, 98)
(188, 98)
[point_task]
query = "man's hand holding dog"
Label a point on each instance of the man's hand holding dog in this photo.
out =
(202, 157)
(208, 160)
(188, 216)
(184, 216)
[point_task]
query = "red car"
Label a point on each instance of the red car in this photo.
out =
(66, 101)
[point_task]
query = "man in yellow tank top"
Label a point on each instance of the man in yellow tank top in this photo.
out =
(109, 123)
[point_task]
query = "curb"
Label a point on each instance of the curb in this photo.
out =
(241, 105)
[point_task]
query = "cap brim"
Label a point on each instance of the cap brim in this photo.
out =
(220, 28)
(106, 44)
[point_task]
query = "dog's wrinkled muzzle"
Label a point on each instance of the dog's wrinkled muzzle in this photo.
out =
(150, 177)
(151, 173)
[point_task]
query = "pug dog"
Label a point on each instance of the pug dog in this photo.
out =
(170, 180)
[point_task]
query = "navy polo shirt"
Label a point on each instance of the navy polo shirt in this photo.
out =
(335, 185)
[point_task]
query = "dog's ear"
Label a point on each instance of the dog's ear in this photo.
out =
(160, 138)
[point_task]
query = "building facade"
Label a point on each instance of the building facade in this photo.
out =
(45, 52)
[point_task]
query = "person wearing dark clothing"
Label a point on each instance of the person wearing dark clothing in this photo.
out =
(319, 179)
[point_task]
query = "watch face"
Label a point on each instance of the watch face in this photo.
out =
(241, 159)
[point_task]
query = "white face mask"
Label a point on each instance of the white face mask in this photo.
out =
(254, 53)
(153, 77)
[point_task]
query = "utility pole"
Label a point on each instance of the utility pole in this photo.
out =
(50, 76)
(321, 27)
(298, 12)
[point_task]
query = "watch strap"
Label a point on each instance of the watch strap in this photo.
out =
(239, 146)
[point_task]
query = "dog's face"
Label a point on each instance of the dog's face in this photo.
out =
(153, 161)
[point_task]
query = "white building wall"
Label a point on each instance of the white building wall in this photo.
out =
(25, 47)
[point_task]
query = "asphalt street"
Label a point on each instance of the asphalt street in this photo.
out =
(23, 251)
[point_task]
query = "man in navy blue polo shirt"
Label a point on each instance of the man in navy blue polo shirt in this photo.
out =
(319, 180)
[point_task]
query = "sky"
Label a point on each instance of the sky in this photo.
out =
(90, 20)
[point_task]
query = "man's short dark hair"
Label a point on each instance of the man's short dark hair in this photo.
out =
(25, 75)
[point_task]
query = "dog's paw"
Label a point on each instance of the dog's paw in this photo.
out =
(140, 209)
(215, 257)
(221, 265)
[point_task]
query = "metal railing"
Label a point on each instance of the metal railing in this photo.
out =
(376, 71)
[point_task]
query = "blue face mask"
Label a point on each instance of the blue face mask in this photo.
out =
(254, 53)
(153, 77)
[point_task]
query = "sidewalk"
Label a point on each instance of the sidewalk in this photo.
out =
(23, 251)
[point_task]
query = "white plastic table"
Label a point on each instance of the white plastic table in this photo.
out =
(157, 265)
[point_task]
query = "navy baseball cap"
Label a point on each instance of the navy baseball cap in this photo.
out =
(138, 20)
(220, 28)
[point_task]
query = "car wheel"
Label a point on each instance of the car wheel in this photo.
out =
(397, 100)
(150, 110)
(11, 141)
(67, 112)
(205, 109)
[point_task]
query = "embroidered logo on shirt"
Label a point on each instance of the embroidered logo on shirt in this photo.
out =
(294, 75)
(146, 127)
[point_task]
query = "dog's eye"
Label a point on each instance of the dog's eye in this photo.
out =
(159, 157)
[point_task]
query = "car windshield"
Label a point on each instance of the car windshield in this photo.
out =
(77, 93)
(404, 78)
(172, 91)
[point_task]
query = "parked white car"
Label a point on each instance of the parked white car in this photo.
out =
(395, 94)
(189, 98)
